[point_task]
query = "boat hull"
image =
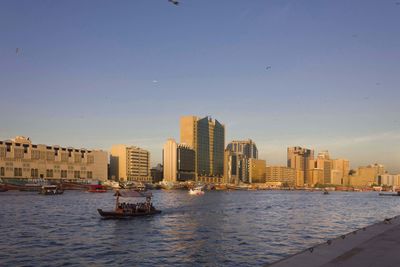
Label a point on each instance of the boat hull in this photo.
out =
(97, 191)
(389, 195)
(117, 215)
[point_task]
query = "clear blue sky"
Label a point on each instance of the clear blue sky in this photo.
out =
(96, 73)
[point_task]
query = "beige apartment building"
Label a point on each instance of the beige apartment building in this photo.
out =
(19, 158)
(281, 174)
(317, 176)
(367, 175)
(129, 163)
(343, 167)
(299, 158)
(257, 170)
(178, 162)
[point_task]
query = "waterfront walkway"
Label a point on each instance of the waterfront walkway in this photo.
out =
(375, 245)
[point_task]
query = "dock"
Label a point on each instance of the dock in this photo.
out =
(375, 245)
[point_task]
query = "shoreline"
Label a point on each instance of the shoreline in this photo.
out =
(368, 246)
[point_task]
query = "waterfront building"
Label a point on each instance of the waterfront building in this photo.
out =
(179, 162)
(257, 170)
(316, 176)
(20, 159)
(299, 159)
(389, 180)
(236, 168)
(367, 175)
(207, 138)
(282, 174)
(157, 173)
(324, 163)
(246, 147)
(343, 166)
(337, 177)
(130, 163)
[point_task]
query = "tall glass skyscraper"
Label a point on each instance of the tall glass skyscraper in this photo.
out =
(207, 137)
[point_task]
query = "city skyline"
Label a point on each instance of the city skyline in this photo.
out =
(283, 73)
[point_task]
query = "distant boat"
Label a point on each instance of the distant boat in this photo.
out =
(196, 191)
(97, 189)
(51, 190)
(326, 193)
(390, 194)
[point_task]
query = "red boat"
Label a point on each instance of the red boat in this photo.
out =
(97, 189)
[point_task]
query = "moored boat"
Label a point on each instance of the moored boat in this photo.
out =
(3, 188)
(130, 210)
(51, 190)
(196, 191)
(97, 189)
(390, 194)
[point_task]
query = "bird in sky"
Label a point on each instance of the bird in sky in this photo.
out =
(17, 50)
(175, 2)
(268, 67)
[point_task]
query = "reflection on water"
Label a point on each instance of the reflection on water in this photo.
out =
(220, 228)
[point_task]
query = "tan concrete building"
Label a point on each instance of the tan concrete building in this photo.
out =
(170, 164)
(179, 162)
(368, 175)
(257, 170)
(316, 176)
(299, 159)
(324, 163)
(19, 158)
(281, 174)
(389, 180)
(207, 138)
(343, 166)
(129, 163)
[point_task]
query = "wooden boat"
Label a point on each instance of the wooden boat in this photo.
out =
(127, 210)
(3, 188)
(30, 188)
(118, 215)
(51, 190)
(390, 194)
(97, 189)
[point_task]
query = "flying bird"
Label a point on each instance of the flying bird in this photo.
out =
(175, 2)
(268, 67)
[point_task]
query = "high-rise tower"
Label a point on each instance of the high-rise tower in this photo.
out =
(207, 138)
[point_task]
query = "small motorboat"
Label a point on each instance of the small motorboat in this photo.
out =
(130, 210)
(51, 190)
(326, 192)
(196, 191)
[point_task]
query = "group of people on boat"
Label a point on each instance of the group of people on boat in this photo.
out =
(139, 207)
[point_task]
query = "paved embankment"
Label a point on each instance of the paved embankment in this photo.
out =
(375, 245)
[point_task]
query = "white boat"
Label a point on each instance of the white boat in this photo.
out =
(196, 191)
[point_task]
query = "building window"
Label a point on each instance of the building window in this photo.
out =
(49, 173)
(34, 173)
(89, 175)
(2, 171)
(63, 173)
(77, 174)
(17, 172)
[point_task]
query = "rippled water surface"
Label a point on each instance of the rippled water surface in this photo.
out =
(243, 228)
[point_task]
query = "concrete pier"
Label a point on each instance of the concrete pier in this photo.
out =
(375, 245)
